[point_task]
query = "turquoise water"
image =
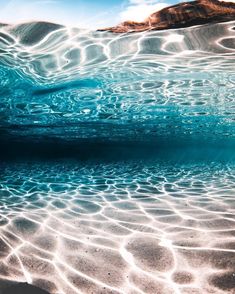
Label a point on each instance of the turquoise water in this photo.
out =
(117, 159)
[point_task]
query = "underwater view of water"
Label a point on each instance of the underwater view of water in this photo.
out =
(117, 159)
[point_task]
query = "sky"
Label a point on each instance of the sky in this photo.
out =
(91, 14)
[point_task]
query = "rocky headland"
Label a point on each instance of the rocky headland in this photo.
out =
(181, 15)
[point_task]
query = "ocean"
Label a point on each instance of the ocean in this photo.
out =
(117, 159)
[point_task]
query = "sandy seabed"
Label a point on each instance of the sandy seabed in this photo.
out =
(112, 228)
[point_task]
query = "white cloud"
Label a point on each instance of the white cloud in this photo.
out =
(139, 10)
(16, 11)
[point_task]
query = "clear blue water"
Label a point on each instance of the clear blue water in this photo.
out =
(117, 159)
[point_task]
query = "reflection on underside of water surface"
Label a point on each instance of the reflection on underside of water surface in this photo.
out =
(73, 85)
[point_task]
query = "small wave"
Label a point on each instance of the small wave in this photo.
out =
(50, 52)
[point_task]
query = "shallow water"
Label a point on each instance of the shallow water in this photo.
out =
(117, 162)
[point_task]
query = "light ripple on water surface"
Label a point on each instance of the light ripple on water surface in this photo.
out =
(170, 83)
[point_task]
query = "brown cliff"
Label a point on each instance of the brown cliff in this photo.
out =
(181, 15)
